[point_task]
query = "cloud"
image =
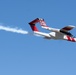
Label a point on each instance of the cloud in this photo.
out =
(14, 30)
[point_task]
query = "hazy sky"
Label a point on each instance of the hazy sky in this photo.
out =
(31, 55)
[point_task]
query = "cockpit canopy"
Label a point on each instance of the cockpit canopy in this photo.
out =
(67, 33)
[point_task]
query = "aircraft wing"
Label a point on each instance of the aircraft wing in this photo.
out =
(67, 28)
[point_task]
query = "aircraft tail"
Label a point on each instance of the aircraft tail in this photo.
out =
(42, 22)
(34, 28)
(33, 24)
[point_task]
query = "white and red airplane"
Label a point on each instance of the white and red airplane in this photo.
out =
(57, 34)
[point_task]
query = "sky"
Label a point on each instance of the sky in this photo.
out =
(23, 54)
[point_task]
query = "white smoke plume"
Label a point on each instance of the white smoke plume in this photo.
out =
(15, 30)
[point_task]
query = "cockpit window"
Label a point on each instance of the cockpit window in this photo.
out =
(67, 33)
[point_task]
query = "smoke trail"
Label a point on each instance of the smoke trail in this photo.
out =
(15, 30)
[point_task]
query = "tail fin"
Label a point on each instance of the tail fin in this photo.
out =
(32, 24)
(41, 21)
(34, 28)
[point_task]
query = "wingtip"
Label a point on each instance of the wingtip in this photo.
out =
(72, 26)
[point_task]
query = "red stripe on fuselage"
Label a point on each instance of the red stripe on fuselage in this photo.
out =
(71, 39)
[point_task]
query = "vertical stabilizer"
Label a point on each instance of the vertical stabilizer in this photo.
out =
(33, 23)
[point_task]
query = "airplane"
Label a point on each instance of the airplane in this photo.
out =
(56, 34)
